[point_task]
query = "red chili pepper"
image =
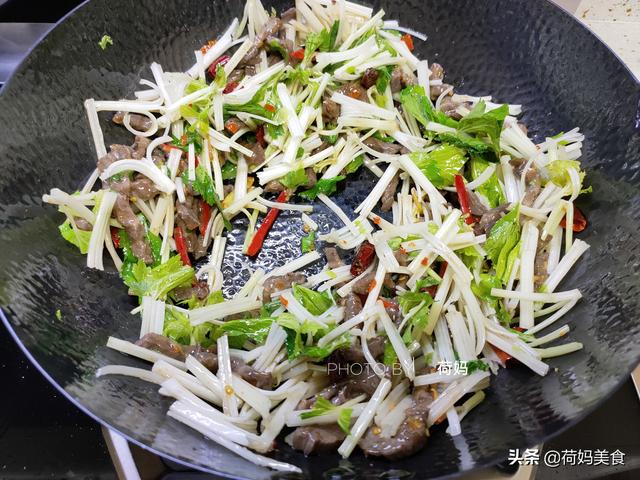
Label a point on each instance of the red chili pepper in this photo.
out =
(167, 148)
(270, 107)
(579, 220)
(463, 198)
(205, 215)
(364, 257)
(115, 237)
(504, 357)
(261, 233)
(220, 61)
(387, 303)
(260, 136)
(183, 139)
(181, 245)
(232, 125)
(408, 41)
(231, 86)
(298, 54)
(443, 268)
(434, 288)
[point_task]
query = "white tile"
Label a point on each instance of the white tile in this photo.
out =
(569, 5)
(623, 38)
(618, 10)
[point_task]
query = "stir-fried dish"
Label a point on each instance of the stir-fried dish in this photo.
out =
(446, 271)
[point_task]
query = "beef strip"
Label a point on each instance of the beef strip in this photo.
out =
(489, 219)
(392, 307)
(83, 224)
(400, 79)
(352, 306)
(139, 147)
(330, 110)
(476, 207)
(327, 393)
(436, 90)
(200, 289)
(142, 123)
(354, 90)
(369, 78)
(201, 248)
(270, 28)
(364, 381)
(143, 188)
(288, 15)
(437, 72)
(282, 282)
(333, 259)
(541, 264)
(255, 377)
(206, 356)
(258, 154)
(383, 147)
(411, 435)
(312, 178)
(116, 152)
(402, 257)
(316, 438)
(389, 194)
(353, 353)
(274, 186)
(361, 287)
(187, 213)
(161, 344)
(134, 228)
(450, 108)
(122, 185)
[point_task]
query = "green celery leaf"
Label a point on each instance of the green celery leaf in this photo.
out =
(308, 242)
(315, 302)
(324, 185)
(80, 238)
(491, 189)
(344, 420)
(502, 239)
(204, 186)
(414, 101)
(295, 178)
(156, 282)
(441, 164)
(239, 331)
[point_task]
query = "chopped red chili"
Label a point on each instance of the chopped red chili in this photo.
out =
(181, 245)
(298, 54)
(463, 198)
(115, 237)
(205, 215)
(221, 61)
(579, 220)
(504, 357)
(231, 86)
(270, 107)
(408, 41)
(260, 136)
(364, 257)
(261, 233)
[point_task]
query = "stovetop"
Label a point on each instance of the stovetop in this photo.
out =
(42, 435)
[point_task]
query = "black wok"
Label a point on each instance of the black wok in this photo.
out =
(521, 51)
